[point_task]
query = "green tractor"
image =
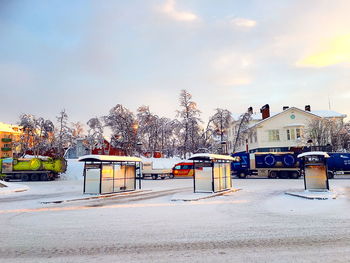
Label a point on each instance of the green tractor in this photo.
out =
(34, 169)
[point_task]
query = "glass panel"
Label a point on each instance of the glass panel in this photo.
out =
(203, 179)
(107, 178)
(130, 178)
(92, 181)
(118, 178)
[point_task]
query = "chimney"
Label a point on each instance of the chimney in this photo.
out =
(250, 110)
(285, 107)
(307, 108)
(265, 111)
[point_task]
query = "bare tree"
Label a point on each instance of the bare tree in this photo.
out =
(28, 123)
(190, 120)
(37, 137)
(329, 132)
(43, 136)
(221, 121)
(124, 128)
(95, 138)
(242, 128)
(77, 130)
(147, 129)
(63, 132)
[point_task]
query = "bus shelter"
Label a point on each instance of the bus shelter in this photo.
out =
(315, 171)
(105, 174)
(212, 172)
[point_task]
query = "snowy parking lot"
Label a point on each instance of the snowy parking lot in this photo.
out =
(258, 223)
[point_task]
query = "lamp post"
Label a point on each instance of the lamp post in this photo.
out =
(223, 147)
(309, 143)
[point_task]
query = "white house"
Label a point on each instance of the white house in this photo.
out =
(276, 131)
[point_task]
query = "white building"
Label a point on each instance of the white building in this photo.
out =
(276, 131)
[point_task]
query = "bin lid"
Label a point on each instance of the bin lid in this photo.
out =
(324, 154)
(209, 156)
(108, 158)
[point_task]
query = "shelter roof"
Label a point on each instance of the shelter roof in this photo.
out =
(209, 156)
(108, 158)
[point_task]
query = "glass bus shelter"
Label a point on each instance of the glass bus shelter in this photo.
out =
(212, 172)
(105, 174)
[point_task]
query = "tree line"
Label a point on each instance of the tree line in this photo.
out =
(134, 133)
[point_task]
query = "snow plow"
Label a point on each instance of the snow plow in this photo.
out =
(32, 169)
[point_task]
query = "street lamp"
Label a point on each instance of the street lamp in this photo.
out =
(223, 147)
(138, 146)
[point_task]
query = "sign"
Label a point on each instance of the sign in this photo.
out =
(7, 165)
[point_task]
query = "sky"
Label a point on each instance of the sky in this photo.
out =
(87, 56)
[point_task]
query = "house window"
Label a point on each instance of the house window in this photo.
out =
(274, 135)
(299, 133)
(293, 134)
(290, 134)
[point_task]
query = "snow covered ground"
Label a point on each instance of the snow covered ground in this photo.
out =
(259, 223)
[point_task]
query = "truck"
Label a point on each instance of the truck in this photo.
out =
(338, 163)
(283, 164)
(149, 171)
(32, 169)
(266, 164)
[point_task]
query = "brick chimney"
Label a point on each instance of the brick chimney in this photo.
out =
(265, 111)
(307, 108)
(285, 107)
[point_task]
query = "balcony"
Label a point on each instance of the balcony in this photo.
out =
(6, 149)
(6, 140)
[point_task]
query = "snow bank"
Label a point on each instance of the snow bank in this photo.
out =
(74, 170)
(162, 163)
(7, 187)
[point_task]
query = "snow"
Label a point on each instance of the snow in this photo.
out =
(8, 188)
(200, 156)
(111, 158)
(74, 171)
(162, 163)
(313, 153)
(328, 113)
(256, 116)
(259, 223)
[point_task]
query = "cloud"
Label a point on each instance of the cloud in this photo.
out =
(243, 22)
(332, 51)
(232, 69)
(234, 80)
(169, 9)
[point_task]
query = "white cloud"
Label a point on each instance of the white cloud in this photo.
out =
(232, 69)
(234, 80)
(243, 22)
(169, 9)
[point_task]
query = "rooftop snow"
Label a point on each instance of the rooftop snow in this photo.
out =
(108, 158)
(328, 113)
(256, 116)
(209, 156)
